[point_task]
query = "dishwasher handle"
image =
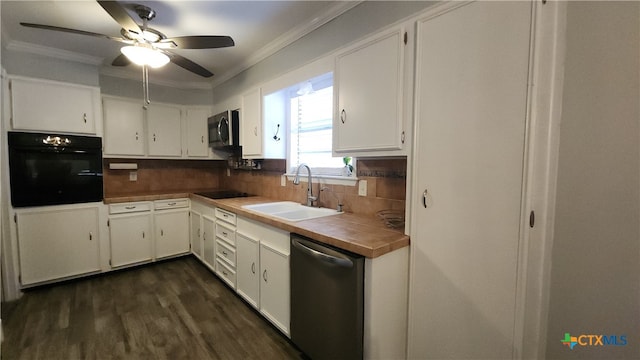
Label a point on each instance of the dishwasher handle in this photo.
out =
(339, 261)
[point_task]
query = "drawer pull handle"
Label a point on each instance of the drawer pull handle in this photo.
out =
(84, 117)
(161, 232)
(90, 236)
(172, 204)
(225, 273)
(143, 234)
(129, 207)
(224, 233)
(224, 253)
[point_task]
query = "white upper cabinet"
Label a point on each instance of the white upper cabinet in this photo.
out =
(42, 105)
(164, 135)
(123, 127)
(368, 88)
(251, 124)
(196, 124)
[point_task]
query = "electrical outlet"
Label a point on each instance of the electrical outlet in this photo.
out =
(362, 187)
(133, 176)
(283, 180)
(228, 172)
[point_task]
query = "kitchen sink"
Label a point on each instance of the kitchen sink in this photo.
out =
(291, 211)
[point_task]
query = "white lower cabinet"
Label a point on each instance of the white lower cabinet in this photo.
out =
(262, 275)
(225, 246)
(248, 269)
(56, 242)
(171, 221)
(196, 233)
(130, 233)
(209, 240)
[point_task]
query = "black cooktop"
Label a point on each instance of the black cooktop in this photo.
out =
(222, 194)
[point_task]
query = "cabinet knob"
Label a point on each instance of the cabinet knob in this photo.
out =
(136, 135)
(264, 275)
(143, 234)
(202, 139)
(90, 236)
(161, 232)
(84, 117)
(154, 137)
(253, 268)
(255, 130)
(343, 116)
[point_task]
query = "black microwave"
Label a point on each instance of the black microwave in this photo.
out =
(224, 130)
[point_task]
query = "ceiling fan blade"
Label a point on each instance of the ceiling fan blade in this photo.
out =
(73, 31)
(121, 60)
(188, 65)
(201, 41)
(120, 15)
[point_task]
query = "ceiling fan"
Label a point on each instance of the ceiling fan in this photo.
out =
(147, 46)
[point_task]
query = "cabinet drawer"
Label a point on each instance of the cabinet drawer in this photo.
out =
(170, 204)
(129, 207)
(226, 273)
(225, 233)
(226, 216)
(226, 252)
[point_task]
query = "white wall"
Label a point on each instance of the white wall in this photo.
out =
(595, 276)
(354, 24)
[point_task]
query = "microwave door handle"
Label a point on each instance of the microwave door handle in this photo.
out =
(219, 131)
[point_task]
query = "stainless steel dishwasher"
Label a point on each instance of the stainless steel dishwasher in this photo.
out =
(327, 300)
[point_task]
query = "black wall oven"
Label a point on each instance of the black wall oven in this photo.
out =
(52, 169)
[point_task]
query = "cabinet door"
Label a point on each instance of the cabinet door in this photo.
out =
(197, 133)
(123, 127)
(368, 84)
(52, 106)
(248, 268)
(209, 240)
(251, 124)
(55, 244)
(172, 232)
(164, 135)
(131, 239)
(471, 106)
(274, 287)
(196, 234)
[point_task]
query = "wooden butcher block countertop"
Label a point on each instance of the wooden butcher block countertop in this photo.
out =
(362, 235)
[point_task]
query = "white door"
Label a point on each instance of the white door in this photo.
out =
(196, 235)
(57, 243)
(251, 126)
(248, 268)
(164, 135)
(131, 239)
(172, 232)
(197, 133)
(209, 240)
(123, 127)
(274, 287)
(471, 82)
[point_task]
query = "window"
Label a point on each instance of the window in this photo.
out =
(308, 108)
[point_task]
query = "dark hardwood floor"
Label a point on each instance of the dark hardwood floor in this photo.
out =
(173, 309)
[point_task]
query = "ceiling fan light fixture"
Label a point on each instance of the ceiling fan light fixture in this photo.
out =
(145, 55)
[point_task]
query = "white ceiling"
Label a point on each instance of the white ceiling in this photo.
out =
(258, 28)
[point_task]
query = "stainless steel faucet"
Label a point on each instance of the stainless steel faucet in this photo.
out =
(296, 181)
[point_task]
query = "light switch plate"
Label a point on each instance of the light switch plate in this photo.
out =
(362, 187)
(133, 176)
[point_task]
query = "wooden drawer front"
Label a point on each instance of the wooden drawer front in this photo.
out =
(226, 252)
(226, 216)
(170, 204)
(225, 233)
(123, 208)
(226, 273)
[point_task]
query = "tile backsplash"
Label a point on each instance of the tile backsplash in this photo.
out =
(161, 176)
(386, 182)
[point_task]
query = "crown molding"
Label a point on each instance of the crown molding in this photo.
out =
(337, 9)
(137, 76)
(20, 46)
